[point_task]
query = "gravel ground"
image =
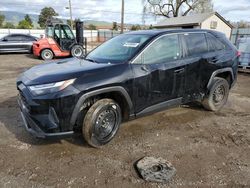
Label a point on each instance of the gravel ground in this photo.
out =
(207, 149)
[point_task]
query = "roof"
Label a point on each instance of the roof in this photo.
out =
(156, 32)
(193, 20)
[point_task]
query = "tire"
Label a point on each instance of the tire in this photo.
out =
(217, 96)
(101, 122)
(77, 51)
(47, 54)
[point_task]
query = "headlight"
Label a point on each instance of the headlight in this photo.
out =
(50, 88)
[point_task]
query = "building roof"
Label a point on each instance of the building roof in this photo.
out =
(192, 20)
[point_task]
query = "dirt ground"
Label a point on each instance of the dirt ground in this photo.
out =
(207, 149)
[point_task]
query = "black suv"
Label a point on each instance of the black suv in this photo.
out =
(127, 77)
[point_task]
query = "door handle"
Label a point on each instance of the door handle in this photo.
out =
(213, 60)
(144, 68)
(178, 71)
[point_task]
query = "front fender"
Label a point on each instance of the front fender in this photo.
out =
(85, 96)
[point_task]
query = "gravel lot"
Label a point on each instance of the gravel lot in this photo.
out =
(207, 149)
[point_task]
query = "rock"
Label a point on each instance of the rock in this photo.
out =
(32, 177)
(155, 169)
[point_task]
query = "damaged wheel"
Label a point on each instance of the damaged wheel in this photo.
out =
(101, 122)
(217, 96)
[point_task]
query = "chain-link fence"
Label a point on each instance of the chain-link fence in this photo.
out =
(239, 33)
(106, 35)
(94, 37)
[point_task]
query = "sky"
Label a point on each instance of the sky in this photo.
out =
(109, 10)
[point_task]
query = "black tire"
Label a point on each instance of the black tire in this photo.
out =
(47, 54)
(101, 122)
(217, 96)
(77, 51)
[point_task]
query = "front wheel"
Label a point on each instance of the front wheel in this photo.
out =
(217, 96)
(101, 122)
(77, 51)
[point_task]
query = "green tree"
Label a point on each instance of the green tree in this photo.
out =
(115, 26)
(2, 18)
(150, 27)
(28, 19)
(46, 13)
(135, 27)
(9, 25)
(92, 27)
(24, 25)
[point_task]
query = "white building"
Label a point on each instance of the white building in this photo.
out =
(213, 21)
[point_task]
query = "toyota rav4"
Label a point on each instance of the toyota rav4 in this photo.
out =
(127, 77)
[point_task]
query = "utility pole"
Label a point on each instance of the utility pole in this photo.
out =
(122, 17)
(70, 12)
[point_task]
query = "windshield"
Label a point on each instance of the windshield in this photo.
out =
(119, 49)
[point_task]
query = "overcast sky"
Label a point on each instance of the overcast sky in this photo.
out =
(109, 10)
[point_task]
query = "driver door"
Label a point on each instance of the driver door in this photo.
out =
(159, 75)
(67, 38)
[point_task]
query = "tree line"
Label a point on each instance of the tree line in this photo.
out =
(26, 23)
(162, 8)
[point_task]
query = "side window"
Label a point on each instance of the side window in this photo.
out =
(24, 38)
(66, 32)
(162, 50)
(57, 31)
(214, 44)
(195, 43)
(27, 38)
(13, 38)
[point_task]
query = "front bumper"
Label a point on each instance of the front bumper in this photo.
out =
(33, 128)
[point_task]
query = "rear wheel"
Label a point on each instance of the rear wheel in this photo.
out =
(217, 96)
(101, 122)
(47, 54)
(77, 51)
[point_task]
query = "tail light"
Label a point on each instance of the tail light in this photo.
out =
(238, 53)
(36, 44)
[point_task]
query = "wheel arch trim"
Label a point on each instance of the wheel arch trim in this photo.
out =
(215, 73)
(85, 96)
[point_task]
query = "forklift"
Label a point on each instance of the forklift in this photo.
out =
(60, 41)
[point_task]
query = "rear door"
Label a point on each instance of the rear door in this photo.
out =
(215, 58)
(195, 47)
(27, 42)
(67, 37)
(159, 73)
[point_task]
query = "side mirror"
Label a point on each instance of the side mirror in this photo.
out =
(4, 39)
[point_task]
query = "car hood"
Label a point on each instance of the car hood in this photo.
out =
(59, 70)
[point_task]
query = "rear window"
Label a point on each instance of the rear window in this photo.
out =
(214, 44)
(196, 43)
